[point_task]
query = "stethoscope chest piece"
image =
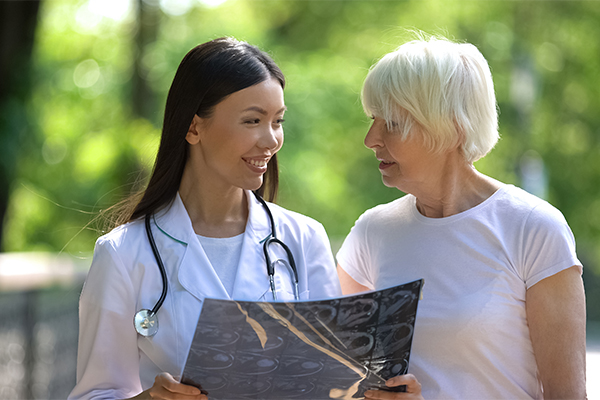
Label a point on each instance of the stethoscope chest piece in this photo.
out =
(146, 323)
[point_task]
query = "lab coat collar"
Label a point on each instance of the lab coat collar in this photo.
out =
(197, 275)
(174, 221)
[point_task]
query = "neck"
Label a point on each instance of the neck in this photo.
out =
(214, 211)
(457, 188)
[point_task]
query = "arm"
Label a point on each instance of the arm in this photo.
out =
(349, 285)
(107, 356)
(556, 317)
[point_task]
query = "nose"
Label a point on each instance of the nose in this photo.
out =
(373, 138)
(271, 138)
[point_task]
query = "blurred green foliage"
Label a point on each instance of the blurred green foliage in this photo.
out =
(88, 146)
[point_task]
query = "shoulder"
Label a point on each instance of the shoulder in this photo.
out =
(121, 242)
(293, 219)
(297, 228)
(122, 234)
(533, 210)
(113, 268)
(385, 213)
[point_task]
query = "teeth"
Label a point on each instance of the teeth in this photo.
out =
(257, 163)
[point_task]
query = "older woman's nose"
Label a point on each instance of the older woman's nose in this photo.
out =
(373, 138)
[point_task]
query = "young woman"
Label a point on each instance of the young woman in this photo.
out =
(203, 212)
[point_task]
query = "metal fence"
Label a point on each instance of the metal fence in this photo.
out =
(38, 343)
(38, 326)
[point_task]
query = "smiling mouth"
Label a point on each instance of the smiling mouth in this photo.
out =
(257, 163)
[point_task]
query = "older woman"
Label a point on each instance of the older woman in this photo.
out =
(503, 313)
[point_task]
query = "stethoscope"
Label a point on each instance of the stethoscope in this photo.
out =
(146, 321)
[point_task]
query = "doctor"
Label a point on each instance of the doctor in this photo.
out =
(222, 130)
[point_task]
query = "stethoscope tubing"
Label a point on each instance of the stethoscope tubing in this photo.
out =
(147, 316)
(161, 267)
(273, 239)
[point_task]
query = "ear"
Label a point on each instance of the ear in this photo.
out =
(460, 135)
(194, 131)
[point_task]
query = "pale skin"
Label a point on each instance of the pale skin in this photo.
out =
(228, 154)
(445, 184)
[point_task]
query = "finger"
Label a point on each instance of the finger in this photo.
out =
(408, 380)
(166, 381)
(161, 393)
(164, 394)
(412, 391)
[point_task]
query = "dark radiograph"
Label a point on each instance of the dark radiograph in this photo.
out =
(329, 349)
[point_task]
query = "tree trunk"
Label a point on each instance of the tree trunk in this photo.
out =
(143, 96)
(18, 21)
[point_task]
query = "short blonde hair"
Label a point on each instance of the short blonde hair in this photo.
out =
(442, 87)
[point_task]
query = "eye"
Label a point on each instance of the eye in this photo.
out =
(252, 121)
(279, 121)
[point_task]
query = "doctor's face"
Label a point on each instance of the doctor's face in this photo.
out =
(234, 144)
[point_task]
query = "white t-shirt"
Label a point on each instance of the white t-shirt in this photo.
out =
(471, 338)
(224, 255)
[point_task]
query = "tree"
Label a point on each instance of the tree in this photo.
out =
(18, 21)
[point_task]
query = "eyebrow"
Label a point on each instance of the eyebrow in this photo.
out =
(263, 111)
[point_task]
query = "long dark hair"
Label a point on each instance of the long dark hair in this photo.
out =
(207, 74)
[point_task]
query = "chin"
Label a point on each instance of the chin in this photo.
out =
(387, 183)
(252, 185)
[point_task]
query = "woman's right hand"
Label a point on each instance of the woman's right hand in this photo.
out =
(166, 388)
(413, 389)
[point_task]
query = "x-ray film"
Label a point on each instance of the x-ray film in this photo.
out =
(328, 349)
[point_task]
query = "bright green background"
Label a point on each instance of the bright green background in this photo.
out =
(86, 146)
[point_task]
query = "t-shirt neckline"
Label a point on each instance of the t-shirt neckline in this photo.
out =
(444, 220)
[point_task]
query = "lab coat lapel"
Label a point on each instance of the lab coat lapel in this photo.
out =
(195, 272)
(252, 281)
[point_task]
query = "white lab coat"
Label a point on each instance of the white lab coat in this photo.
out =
(113, 360)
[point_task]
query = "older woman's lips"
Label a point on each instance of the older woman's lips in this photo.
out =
(385, 165)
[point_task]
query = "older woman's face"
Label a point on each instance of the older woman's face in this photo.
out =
(406, 164)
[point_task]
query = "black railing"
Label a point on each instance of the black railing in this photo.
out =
(39, 296)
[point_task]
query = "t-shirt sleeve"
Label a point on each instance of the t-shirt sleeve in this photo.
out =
(354, 258)
(548, 245)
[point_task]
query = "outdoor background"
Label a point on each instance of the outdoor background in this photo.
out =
(83, 85)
